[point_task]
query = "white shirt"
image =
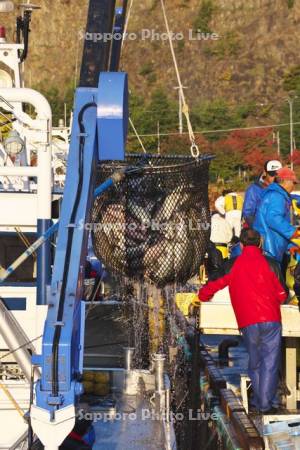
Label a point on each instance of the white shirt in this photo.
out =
(221, 230)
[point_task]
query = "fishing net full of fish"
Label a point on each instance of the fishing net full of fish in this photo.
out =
(155, 224)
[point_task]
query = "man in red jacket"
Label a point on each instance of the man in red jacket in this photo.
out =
(256, 295)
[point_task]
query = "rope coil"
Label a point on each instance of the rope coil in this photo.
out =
(195, 152)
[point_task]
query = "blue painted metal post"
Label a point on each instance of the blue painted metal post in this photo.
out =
(120, 17)
(43, 262)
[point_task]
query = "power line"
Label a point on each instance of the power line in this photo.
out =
(206, 111)
(220, 131)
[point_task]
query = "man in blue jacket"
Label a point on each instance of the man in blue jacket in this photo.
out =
(254, 192)
(273, 219)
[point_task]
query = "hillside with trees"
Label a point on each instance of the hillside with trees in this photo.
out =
(242, 79)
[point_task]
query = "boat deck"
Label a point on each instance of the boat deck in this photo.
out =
(132, 429)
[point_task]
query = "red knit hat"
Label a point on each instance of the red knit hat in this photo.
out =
(287, 174)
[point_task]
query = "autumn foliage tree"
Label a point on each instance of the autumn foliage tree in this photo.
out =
(295, 158)
(243, 150)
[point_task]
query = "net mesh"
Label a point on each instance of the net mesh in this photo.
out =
(155, 224)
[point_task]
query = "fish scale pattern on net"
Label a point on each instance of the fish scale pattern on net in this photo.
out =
(154, 225)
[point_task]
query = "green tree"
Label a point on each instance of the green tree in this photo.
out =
(218, 115)
(146, 116)
(291, 80)
(225, 166)
(285, 130)
(204, 16)
(57, 100)
(291, 84)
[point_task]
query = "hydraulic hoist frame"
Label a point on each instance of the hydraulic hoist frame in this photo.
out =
(99, 132)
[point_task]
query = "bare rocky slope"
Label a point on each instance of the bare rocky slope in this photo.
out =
(258, 43)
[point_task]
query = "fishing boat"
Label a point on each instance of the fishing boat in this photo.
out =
(33, 170)
(124, 354)
(32, 164)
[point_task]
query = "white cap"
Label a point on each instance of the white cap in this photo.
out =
(272, 166)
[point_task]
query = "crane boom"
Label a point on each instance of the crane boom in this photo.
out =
(102, 46)
(99, 132)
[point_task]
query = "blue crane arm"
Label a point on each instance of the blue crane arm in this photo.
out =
(99, 129)
(99, 132)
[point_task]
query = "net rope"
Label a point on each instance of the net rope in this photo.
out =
(185, 109)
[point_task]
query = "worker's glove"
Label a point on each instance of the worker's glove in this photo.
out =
(293, 301)
(194, 306)
(296, 207)
(296, 234)
(196, 301)
(294, 250)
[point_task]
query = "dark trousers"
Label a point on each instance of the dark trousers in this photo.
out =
(297, 282)
(263, 343)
